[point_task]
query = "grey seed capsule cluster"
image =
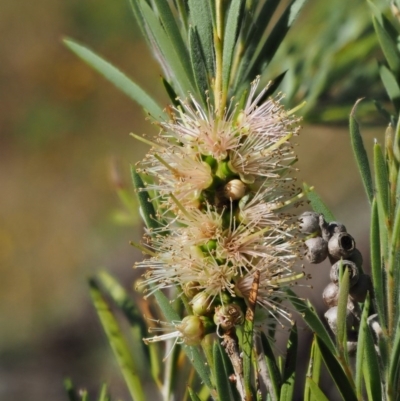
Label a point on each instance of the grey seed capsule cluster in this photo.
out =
(332, 241)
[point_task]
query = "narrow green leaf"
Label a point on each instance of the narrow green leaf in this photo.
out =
(69, 388)
(200, 15)
(118, 344)
(230, 37)
(391, 85)
(172, 30)
(376, 265)
(382, 184)
(125, 303)
(104, 396)
(360, 154)
(312, 320)
(394, 367)
(273, 370)
(338, 375)
(254, 39)
(369, 366)
(221, 375)
(341, 336)
(314, 370)
(289, 371)
(315, 390)
(84, 395)
(147, 208)
(192, 353)
(360, 348)
(120, 80)
(198, 63)
(317, 204)
(171, 93)
(140, 20)
(275, 38)
(247, 353)
(193, 395)
(388, 46)
(173, 63)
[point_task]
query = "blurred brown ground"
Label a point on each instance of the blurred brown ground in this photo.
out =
(59, 125)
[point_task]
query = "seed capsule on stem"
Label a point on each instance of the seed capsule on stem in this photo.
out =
(317, 250)
(341, 245)
(347, 264)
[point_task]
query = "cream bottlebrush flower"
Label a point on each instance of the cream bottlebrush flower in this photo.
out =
(208, 252)
(197, 150)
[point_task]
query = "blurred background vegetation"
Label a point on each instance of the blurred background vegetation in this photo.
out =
(63, 131)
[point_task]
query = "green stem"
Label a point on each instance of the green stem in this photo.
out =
(218, 44)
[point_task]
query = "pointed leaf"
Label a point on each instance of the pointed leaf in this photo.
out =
(173, 62)
(376, 264)
(198, 63)
(200, 15)
(147, 208)
(116, 77)
(193, 395)
(394, 368)
(276, 37)
(104, 396)
(360, 154)
(273, 370)
(317, 204)
(388, 46)
(382, 184)
(341, 336)
(221, 375)
(289, 372)
(311, 318)
(367, 367)
(230, 37)
(391, 85)
(338, 375)
(315, 390)
(118, 344)
(172, 30)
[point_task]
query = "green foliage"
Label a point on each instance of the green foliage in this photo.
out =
(213, 50)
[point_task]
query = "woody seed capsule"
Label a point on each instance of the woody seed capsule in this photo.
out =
(341, 245)
(309, 223)
(359, 291)
(317, 250)
(331, 318)
(347, 264)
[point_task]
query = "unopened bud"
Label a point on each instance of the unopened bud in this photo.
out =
(317, 250)
(350, 266)
(341, 245)
(309, 223)
(228, 316)
(193, 329)
(235, 189)
(201, 304)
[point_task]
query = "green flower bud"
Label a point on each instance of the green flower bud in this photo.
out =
(201, 304)
(192, 330)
